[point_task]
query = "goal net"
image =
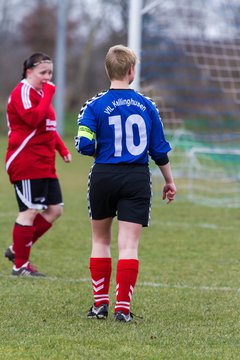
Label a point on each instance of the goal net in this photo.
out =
(191, 68)
(206, 176)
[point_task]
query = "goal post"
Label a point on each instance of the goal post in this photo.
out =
(190, 67)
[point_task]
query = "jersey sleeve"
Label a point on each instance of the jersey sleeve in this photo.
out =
(85, 139)
(25, 107)
(60, 146)
(158, 145)
(87, 117)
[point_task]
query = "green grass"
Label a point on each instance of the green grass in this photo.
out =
(187, 292)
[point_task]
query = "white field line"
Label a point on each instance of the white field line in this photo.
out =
(172, 224)
(204, 288)
(8, 214)
(188, 225)
(143, 284)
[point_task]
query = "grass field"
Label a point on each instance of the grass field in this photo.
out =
(188, 290)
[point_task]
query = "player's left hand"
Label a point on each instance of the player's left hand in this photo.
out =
(169, 192)
(67, 158)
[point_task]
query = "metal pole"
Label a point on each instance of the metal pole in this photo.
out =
(136, 11)
(60, 64)
(135, 35)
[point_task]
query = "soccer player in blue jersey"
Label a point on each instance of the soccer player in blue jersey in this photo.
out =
(120, 128)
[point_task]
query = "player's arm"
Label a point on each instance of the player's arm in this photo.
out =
(158, 150)
(169, 189)
(85, 141)
(62, 149)
(158, 146)
(33, 115)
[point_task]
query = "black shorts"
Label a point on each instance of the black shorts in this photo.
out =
(38, 193)
(124, 190)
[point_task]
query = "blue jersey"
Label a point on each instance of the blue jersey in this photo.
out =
(126, 125)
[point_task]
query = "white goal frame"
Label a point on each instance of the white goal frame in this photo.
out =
(225, 188)
(202, 180)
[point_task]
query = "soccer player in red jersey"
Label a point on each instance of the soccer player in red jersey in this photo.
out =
(30, 160)
(121, 128)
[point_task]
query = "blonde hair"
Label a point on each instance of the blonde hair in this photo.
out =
(119, 60)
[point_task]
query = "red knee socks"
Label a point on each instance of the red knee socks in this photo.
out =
(22, 242)
(25, 236)
(41, 226)
(100, 269)
(126, 277)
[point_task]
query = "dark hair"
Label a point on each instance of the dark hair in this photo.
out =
(34, 60)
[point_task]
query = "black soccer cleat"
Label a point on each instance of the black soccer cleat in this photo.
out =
(121, 316)
(98, 312)
(26, 271)
(9, 254)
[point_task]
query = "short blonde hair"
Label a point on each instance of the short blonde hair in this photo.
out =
(118, 61)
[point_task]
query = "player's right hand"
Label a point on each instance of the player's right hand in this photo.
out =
(50, 83)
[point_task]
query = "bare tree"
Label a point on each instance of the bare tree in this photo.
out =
(89, 34)
(107, 27)
(38, 28)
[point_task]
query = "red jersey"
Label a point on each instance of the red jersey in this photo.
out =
(33, 139)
